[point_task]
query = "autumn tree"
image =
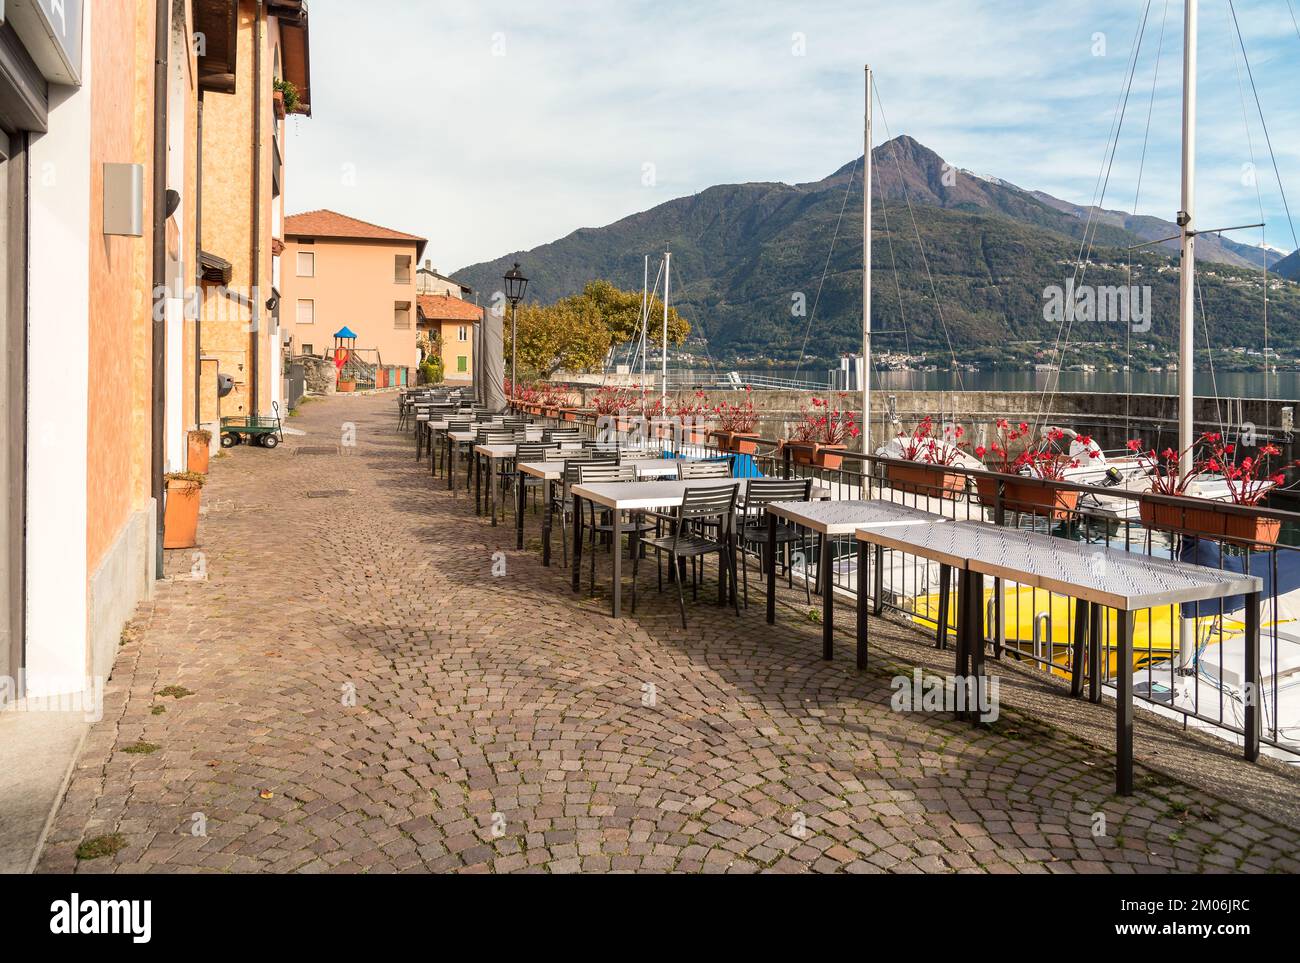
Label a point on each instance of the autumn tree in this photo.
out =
(621, 311)
(569, 334)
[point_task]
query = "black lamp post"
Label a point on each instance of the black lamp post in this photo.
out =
(516, 285)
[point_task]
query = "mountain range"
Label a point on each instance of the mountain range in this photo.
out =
(746, 257)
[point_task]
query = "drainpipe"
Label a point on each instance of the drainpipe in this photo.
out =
(198, 268)
(254, 275)
(159, 339)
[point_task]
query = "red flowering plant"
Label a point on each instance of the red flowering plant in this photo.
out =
(825, 424)
(1004, 453)
(610, 400)
(924, 445)
(1249, 480)
(693, 407)
(737, 419)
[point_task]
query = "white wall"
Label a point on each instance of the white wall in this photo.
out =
(57, 397)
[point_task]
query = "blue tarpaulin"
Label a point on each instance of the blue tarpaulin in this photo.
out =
(1278, 570)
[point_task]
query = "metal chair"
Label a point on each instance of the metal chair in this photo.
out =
(529, 451)
(562, 501)
(759, 493)
(715, 504)
(712, 468)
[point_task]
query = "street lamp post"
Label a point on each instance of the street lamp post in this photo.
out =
(516, 285)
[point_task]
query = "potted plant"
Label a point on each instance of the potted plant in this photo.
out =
(1045, 462)
(199, 448)
(929, 456)
(181, 509)
(689, 416)
(346, 383)
(1249, 481)
(736, 425)
(821, 434)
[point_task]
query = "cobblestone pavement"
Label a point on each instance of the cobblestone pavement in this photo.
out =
(501, 723)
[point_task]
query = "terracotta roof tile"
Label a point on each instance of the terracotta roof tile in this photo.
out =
(444, 307)
(332, 224)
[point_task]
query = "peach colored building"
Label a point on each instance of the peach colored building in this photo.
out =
(454, 321)
(341, 271)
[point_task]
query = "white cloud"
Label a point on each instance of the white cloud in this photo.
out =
(497, 126)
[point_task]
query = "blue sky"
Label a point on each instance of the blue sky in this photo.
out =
(496, 126)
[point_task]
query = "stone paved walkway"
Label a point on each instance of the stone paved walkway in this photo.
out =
(501, 723)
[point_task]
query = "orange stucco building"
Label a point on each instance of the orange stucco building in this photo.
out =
(453, 320)
(340, 271)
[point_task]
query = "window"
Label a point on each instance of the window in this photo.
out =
(462, 363)
(402, 269)
(401, 314)
(306, 311)
(307, 349)
(306, 264)
(463, 333)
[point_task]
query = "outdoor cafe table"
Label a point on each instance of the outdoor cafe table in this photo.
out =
(828, 519)
(457, 438)
(639, 496)
(491, 454)
(1093, 575)
(552, 471)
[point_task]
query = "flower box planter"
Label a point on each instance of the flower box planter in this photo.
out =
(198, 452)
(1257, 531)
(181, 512)
(347, 386)
(922, 479)
(740, 442)
(1029, 498)
(569, 414)
(815, 454)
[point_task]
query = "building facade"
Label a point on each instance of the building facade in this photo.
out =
(340, 271)
(429, 281)
(454, 322)
(107, 187)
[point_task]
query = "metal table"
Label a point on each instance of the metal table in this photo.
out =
(551, 472)
(827, 519)
(1093, 575)
(491, 454)
(638, 496)
(457, 438)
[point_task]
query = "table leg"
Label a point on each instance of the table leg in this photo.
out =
(491, 486)
(941, 630)
(862, 603)
(577, 544)
(1077, 647)
(1094, 654)
(616, 533)
(419, 441)
(1124, 704)
(878, 581)
(476, 470)
(961, 668)
(520, 504)
(770, 562)
(547, 519)
(974, 592)
(1253, 694)
(828, 597)
(451, 463)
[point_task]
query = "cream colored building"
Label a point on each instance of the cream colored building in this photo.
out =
(340, 271)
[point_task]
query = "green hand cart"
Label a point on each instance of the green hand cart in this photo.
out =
(264, 430)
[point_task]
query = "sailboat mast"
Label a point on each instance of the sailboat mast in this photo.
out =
(866, 271)
(645, 317)
(663, 384)
(1187, 277)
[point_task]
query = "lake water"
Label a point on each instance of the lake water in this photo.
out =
(1229, 384)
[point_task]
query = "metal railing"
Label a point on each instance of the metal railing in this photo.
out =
(1189, 661)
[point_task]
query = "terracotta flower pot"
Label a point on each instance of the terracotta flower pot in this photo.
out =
(1029, 498)
(347, 386)
(826, 456)
(569, 414)
(181, 513)
(1259, 532)
(922, 479)
(740, 442)
(198, 451)
(801, 452)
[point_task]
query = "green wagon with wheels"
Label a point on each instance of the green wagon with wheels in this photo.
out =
(264, 430)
